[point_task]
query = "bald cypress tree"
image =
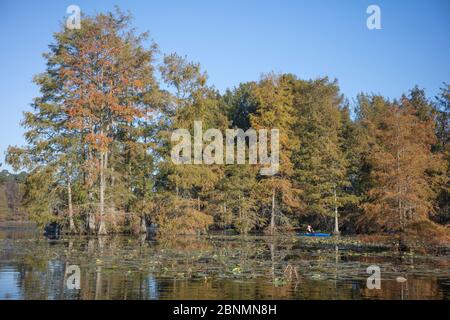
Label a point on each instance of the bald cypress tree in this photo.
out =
(320, 162)
(190, 186)
(274, 110)
(401, 194)
(443, 147)
(98, 84)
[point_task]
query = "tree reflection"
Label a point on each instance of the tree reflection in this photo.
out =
(213, 267)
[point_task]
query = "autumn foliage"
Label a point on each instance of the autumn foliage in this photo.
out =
(98, 147)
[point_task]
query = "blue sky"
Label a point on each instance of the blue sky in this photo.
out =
(237, 41)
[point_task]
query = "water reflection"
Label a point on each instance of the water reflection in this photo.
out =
(211, 267)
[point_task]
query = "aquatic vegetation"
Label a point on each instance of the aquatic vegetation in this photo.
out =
(219, 266)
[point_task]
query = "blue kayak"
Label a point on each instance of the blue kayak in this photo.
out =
(316, 234)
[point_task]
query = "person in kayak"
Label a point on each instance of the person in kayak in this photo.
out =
(309, 229)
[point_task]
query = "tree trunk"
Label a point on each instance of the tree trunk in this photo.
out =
(336, 216)
(240, 211)
(90, 214)
(102, 228)
(69, 196)
(272, 215)
(143, 227)
(399, 185)
(224, 217)
(399, 188)
(91, 223)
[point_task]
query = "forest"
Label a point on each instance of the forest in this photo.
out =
(11, 192)
(98, 144)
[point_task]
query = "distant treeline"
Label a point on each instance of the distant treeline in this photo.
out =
(11, 193)
(98, 147)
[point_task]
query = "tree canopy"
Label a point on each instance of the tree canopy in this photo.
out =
(99, 144)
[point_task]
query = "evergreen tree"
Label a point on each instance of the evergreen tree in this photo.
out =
(443, 147)
(401, 193)
(278, 195)
(98, 83)
(320, 162)
(99, 146)
(191, 185)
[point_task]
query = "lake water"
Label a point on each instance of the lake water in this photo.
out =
(212, 267)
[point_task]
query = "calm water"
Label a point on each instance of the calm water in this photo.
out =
(211, 267)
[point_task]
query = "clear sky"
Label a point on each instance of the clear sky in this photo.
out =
(237, 40)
